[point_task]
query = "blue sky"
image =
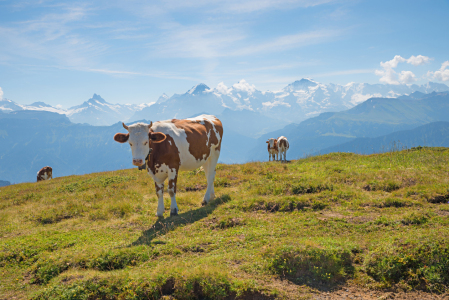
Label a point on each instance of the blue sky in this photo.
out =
(133, 51)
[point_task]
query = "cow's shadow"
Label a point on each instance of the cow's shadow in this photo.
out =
(163, 226)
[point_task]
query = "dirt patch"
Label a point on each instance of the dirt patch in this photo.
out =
(443, 213)
(439, 199)
(195, 188)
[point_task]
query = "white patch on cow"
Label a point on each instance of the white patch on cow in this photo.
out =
(138, 140)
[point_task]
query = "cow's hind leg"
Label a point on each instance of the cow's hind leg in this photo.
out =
(209, 169)
(172, 179)
(160, 196)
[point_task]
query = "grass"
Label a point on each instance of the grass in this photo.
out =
(275, 231)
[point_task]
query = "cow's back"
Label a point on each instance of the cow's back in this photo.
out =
(283, 143)
(189, 141)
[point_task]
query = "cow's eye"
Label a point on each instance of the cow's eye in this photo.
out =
(130, 144)
(145, 143)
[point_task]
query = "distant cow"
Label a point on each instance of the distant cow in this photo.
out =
(273, 151)
(283, 146)
(168, 147)
(45, 173)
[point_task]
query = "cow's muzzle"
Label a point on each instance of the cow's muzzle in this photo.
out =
(137, 162)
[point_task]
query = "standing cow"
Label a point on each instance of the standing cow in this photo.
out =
(168, 147)
(273, 150)
(45, 173)
(283, 146)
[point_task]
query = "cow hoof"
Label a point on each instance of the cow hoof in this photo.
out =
(160, 215)
(204, 203)
(174, 212)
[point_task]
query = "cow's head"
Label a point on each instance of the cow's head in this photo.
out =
(139, 138)
(271, 142)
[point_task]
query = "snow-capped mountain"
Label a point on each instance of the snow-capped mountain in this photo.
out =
(96, 111)
(294, 103)
(7, 105)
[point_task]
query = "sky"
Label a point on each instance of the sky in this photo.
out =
(62, 52)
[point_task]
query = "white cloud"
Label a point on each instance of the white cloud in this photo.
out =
(1, 93)
(244, 86)
(407, 77)
(442, 74)
(388, 74)
(359, 98)
(418, 60)
(223, 89)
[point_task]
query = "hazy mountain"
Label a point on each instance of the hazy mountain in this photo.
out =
(372, 118)
(30, 140)
(434, 134)
(4, 183)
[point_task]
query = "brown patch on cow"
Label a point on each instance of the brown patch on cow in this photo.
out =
(197, 133)
(282, 144)
(121, 137)
(172, 184)
(164, 152)
(158, 187)
(45, 171)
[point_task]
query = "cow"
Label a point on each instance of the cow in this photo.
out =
(283, 146)
(170, 146)
(273, 149)
(45, 173)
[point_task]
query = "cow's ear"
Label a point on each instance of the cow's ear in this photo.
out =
(121, 137)
(157, 137)
(267, 142)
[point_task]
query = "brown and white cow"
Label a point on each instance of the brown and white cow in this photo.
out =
(45, 173)
(283, 146)
(170, 146)
(273, 150)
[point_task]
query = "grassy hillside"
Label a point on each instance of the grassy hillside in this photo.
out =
(328, 226)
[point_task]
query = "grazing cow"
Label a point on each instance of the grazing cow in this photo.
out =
(168, 147)
(283, 146)
(273, 149)
(45, 173)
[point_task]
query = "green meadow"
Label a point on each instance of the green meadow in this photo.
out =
(314, 226)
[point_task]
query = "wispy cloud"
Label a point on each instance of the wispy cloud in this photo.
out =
(1, 93)
(51, 37)
(197, 41)
(217, 6)
(155, 75)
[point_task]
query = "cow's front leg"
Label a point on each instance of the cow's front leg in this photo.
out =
(160, 196)
(172, 179)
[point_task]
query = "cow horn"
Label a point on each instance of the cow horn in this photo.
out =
(124, 126)
(151, 124)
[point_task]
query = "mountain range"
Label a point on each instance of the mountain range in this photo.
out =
(294, 103)
(373, 118)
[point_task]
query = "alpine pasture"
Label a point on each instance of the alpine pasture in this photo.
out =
(323, 227)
